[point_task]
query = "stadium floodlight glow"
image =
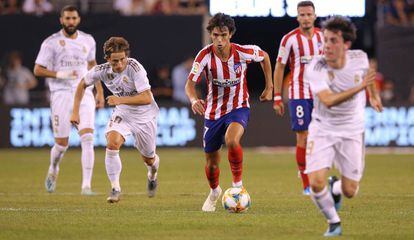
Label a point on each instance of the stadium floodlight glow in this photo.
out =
(276, 8)
(324, 8)
(248, 8)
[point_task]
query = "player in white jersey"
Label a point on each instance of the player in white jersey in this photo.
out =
(336, 133)
(63, 59)
(298, 47)
(135, 111)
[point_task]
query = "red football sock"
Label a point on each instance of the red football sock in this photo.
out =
(301, 161)
(212, 176)
(235, 156)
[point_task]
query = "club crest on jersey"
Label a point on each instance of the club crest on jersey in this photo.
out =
(62, 43)
(331, 75)
(357, 78)
(84, 49)
(125, 79)
(237, 68)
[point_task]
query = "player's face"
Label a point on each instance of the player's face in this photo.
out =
(306, 17)
(118, 61)
(220, 37)
(70, 21)
(334, 46)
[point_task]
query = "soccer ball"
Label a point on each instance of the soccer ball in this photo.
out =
(236, 200)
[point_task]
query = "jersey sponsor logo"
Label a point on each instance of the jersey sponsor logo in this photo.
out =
(62, 43)
(226, 82)
(196, 67)
(126, 94)
(237, 68)
(305, 59)
(84, 49)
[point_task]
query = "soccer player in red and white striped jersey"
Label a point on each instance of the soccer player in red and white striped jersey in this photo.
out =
(298, 47)
(226, 109)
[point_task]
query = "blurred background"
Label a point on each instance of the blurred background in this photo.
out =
(165, 35)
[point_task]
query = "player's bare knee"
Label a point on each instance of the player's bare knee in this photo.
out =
(64, 142)
(317, 184)
(113, 145)
(349, 191)
(232, 143)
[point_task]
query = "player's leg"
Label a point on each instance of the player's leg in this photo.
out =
(320, 154)
(214, 131)
(60, 103)
(301, 137)
(113, 163)
(145, 136)
(235, 152)
(236, 122)
(300, 113)
(86, 128)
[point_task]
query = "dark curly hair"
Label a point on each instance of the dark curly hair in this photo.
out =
(343, 24)
(221, 20)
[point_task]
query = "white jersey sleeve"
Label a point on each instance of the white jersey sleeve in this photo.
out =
(317, 75)
(92, 52)
(95, 74)
(138, 75)
(251, 53)
(46, 54)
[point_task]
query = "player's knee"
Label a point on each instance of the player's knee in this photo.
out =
(317, 184)
(349, 191)
(231, 142)
(113, 145)
(62, 142)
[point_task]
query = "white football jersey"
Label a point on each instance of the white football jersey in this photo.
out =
(59, 53)
(346, 118)
(132, 81)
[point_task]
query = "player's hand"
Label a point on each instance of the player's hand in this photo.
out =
(113, 100)
(74, 118)
(279, 108)
(67, 75)
(100, 101)
(267, 94)
(375, 102)
(369, 79)
(198, 106)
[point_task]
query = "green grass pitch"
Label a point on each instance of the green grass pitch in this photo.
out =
(384, 208)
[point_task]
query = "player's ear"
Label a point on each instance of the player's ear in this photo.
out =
(348, 45)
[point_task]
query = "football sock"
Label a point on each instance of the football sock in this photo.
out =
(113, 167)
(88, 159)
(301, 161)
(337, 188)
(324, 201)
(212, 174)
(56, 155)
(153, 169)
(235, 155)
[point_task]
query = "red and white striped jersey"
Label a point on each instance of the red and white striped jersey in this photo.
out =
(226, 81)
(299, 50)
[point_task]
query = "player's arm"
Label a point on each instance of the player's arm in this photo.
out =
(80, 91)
(99, 97)
(197, 105)
(278, 87)
(374, 97)
(267, 71)
(143, 98)
(41, 71)
(330, 98)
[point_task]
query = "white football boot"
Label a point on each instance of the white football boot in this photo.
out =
(211, 201)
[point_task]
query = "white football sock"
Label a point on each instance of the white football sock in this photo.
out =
(56, 155)
(153, 169)
(88, 159)
(337, 188)
(113, 167)
(324, 201)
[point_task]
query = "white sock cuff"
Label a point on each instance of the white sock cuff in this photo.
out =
(319, 194)
(112, 153)
(87, 137)
(60, 148)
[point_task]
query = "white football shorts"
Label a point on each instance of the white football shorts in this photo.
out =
(347, 154)
(61, 104)
(144, 134)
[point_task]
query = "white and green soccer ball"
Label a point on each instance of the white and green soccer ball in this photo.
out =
(236, 200)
